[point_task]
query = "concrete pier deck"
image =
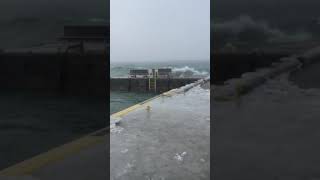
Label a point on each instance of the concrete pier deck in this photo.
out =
(82, 159)
(167, 137)
(269, 133)
(142, 84)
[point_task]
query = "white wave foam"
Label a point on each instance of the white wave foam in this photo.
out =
(186, 70)
(183, 71)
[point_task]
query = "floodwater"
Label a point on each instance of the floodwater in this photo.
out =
(169, 140)
(271, 133)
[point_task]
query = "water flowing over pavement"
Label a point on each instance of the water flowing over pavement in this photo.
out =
(167, 138)
(121, 99)
(270, 133)
(308, 76)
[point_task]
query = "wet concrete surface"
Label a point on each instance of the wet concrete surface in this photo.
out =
(206, 85)
(91, 163)
(33, 123)
(169, 140)
(86, 163)
(307, 77)
(270, 133)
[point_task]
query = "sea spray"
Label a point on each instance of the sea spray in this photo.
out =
(179, 69)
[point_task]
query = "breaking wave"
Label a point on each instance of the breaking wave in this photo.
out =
(194, 69)
(187, 71)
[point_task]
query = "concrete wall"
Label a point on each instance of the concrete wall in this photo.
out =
(71, 74)
(233, 65)
(142, 84)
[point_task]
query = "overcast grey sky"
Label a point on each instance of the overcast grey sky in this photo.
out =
(159, 30)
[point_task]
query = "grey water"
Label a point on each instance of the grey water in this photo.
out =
(32, 123)
(193, 67)
(122, 100)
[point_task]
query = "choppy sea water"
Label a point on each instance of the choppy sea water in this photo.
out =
(32, 123)
(122, 100)
(179, 68)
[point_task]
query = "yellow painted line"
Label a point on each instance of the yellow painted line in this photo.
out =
(140, 105)
(169, 93)
(126, 111)
(27, 167)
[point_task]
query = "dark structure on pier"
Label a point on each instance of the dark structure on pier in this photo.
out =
(86, 33)
(76, 64)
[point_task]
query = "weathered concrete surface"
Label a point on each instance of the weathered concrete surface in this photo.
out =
(232, 65)
(33, 123)
(308, 76)
(90, 163)
(233, 88)
(50, 69)
(170, 140)
(83, 159)
(142, 84)
(167, 138)
(270, 133)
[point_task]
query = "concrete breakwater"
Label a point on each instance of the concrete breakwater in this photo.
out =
(249, 77)
(142, 84)
(233, 65)
(293, 64)
(70, 73)
(66, 73)
(236, 87)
